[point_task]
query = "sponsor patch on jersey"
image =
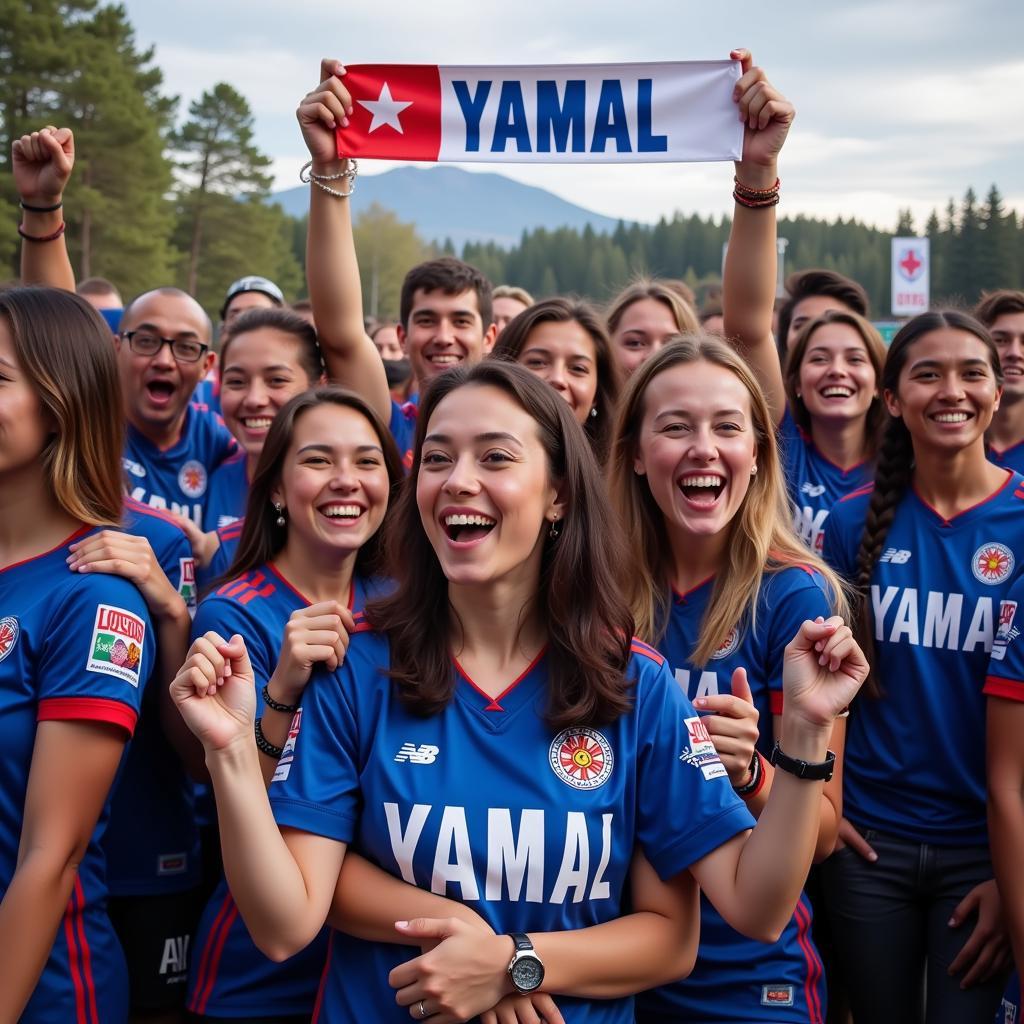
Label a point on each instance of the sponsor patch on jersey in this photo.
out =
(728, 645)
(9, 633)
(776, 995)
(284, 762)
(172, 864)
(116, 645)
(187, 582)
(992, 563)
(581, 758)
(192, 479)
(701, 751)
(1005, 632)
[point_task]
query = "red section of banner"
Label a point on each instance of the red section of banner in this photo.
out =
(396, 112)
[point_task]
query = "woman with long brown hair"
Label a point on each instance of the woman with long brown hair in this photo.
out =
(75, 654)
(563, 341)
(494, 735)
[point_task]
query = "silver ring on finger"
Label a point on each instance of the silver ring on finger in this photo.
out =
(422, 1010)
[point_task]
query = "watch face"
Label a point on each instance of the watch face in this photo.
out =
(527, 973)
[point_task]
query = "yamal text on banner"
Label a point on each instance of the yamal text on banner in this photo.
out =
(601, 113)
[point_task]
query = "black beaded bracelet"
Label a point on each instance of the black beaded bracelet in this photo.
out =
(276, 705)
(265, 746)
(41, 209)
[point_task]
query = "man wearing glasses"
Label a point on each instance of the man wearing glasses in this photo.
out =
(172, 446)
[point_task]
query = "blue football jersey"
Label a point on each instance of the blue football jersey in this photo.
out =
(152, 841)
(229, 976)
(220, 563)
(736, 978)
(485, 803)
(935, 595)
(229, 491)
(177, 478)
(814, 483)
(403, 427)
(73, 647)
(1009, 458)
(207, 391)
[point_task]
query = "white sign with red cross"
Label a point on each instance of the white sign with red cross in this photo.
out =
(910, 276)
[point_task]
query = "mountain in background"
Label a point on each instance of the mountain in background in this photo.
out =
(446, 202)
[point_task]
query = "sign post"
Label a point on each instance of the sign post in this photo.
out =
(910, 276)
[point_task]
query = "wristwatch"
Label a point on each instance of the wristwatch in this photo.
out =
(525, 968)
(813, 772)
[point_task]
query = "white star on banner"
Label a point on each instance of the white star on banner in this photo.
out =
(385, 110)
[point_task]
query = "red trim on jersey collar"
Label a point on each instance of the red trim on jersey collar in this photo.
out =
(298, 593)
(808, 440)
(963, 512)
(81, 531)
(87, 709)
(1002, 454)
(495, 702)
(683, 595)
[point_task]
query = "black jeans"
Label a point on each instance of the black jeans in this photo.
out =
(890, 925)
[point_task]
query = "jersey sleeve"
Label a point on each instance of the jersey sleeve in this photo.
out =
(686, 806)
(316, 786)
(1005, 676)
(97, 654)
(794, 596)
(226, 617)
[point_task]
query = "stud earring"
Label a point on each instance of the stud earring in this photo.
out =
(753, 470)
(279, 509)
(593, 412)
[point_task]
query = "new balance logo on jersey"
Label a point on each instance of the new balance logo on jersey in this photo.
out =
(425, 753)
(135, 468)
(812, 490)
(898, 556)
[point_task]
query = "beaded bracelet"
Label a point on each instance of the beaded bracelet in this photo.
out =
(756, 193)
(268, 748)
(276, 705)
(756, 204)
(757, 779)
(42, 238)
(349, 174)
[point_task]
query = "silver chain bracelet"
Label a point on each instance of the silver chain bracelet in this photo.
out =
(307, 177)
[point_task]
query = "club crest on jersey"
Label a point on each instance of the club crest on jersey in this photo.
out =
(192, 479)
(581, 758)
(992, 563)
(701, 751)
(9, 632)
(728, 645)
(116, 645)
(1005, 633)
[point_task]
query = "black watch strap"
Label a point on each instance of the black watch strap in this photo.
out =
(521, 942)
(820, 771)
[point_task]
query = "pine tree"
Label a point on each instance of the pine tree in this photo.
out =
(220, 158)
(997, 264)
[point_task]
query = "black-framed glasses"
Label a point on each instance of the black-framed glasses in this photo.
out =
(148, 343)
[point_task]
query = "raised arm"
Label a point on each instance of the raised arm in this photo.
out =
(748, 286)
(754, 880)
(332, 271)
(42, 164)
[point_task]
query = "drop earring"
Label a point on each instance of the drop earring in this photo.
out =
(279, 509)
(554, 531)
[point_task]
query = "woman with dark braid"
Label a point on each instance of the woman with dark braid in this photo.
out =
(932, 549)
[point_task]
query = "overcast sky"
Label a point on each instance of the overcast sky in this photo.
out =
(899, 103)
